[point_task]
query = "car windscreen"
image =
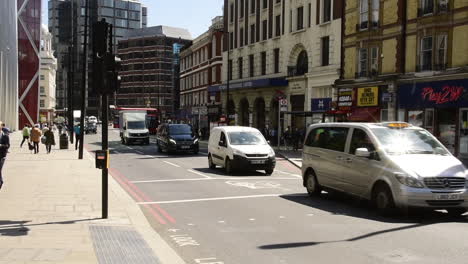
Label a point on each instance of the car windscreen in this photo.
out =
(408, 141)
(246, 138)
(136, 125)
(180, 130)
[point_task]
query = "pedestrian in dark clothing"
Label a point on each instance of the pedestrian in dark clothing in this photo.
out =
(296, 138)
(4, 146)
(50, 140)
(77, 131)
(287, 136)
(5, 129)
(36, 138)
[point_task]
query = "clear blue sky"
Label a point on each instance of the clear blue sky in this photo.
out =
(194, 15)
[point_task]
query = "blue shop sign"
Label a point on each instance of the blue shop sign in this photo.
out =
(439, 94)
(320, 105)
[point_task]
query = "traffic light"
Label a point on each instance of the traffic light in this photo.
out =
(100, 38)
(113, 66)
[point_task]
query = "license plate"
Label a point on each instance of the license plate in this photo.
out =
(184, 147)
(448, 196)
(257, 162)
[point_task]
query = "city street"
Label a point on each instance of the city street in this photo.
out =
(210, 217)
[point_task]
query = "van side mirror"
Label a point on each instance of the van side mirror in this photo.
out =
(222, 143)
(269, 142)
(363, 153)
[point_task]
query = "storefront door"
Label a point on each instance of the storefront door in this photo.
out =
(463, 140)
(446, 130)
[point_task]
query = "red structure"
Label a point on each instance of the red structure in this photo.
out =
(29, 38)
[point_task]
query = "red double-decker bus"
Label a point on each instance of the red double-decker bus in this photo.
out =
(152, 117)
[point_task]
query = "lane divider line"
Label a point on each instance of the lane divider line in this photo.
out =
(172, 180)
(199, 173)
(170, 163)
(211, 179)
(213, 199)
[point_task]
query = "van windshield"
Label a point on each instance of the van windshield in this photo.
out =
(246, 138)
(136, 125)
(180, 130)
(408, 141)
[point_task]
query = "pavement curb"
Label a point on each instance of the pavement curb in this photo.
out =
(288, 159)
(162, 250)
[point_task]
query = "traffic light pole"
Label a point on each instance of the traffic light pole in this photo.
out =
(84, 80)
(105, 147)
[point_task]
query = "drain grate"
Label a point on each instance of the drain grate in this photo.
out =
(117, 244)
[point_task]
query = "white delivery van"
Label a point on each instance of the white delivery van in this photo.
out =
(392, 164)
(133, 127)
(237, 147)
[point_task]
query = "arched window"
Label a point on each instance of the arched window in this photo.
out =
(302, 65)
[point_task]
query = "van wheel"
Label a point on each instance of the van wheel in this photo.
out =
(312, 185)
(269, 171)
(210, 162)
(383, 200)
(228, 166)
(456, 212)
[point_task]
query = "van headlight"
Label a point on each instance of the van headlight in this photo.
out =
(173, 141)
(238, 153)
(271, 153)
(408, 180)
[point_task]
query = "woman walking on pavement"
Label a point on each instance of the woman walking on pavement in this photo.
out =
(50, 140)
(36, 138)
(26, 135)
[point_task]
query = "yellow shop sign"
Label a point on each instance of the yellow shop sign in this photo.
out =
(368, 96)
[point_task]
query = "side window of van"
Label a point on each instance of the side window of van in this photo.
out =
(333, 138)
(223, 138)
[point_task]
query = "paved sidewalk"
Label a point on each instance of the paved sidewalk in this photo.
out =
(293, 156)
(50, 209)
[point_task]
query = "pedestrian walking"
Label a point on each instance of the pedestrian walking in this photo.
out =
(36, 137)
(26, 134)
(77, 130)
(4, 146)
(5, 129)
(50, 140)
(296, 135)
(287, 136)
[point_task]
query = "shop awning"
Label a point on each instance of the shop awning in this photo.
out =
(365, 114)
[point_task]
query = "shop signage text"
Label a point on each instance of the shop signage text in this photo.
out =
(447, 94)
(320, 105)
(345, 98)
(368, 96)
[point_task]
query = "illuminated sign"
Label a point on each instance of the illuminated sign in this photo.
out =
(368, 96)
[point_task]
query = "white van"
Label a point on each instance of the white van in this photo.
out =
(392, 164)
(237, 147)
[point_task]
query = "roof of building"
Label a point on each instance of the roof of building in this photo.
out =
(171, 32)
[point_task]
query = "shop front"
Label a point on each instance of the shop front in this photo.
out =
(359, 104)
(441, 107)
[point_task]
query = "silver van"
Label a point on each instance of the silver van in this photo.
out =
(391, 164)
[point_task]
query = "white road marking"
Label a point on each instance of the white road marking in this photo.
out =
(255, 185)
(252, 219)
(206, 179)
(310, 214)
(170, 163)
(221, 222)
(199, 173)
(190, 224)
(281, 217)
(291, 174)
(212, 199)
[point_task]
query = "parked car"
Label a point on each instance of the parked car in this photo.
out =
(237, 147)
(90, 128)
(177, 138)
(395, 165)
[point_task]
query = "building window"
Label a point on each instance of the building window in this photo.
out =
(325, 51)
(441, 59)
(427, 7)
(264, 29)
(241, 11)
(240, 65)
(231, 40)
(231, 17)
(363, 61)
(265, 3)
(309, 11)
(364, 14)
(278, 25)
(230, 70)
(375, 13)
(263, 60)
(302, 64)
(42, 90)
(276, 60)
(374, 61)
(241, 37)
(252, 33)
(251, 65)
(300, 18)
(326, 11)
(426, 54)
(252, 6)
(42, 77)
(41, 103)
